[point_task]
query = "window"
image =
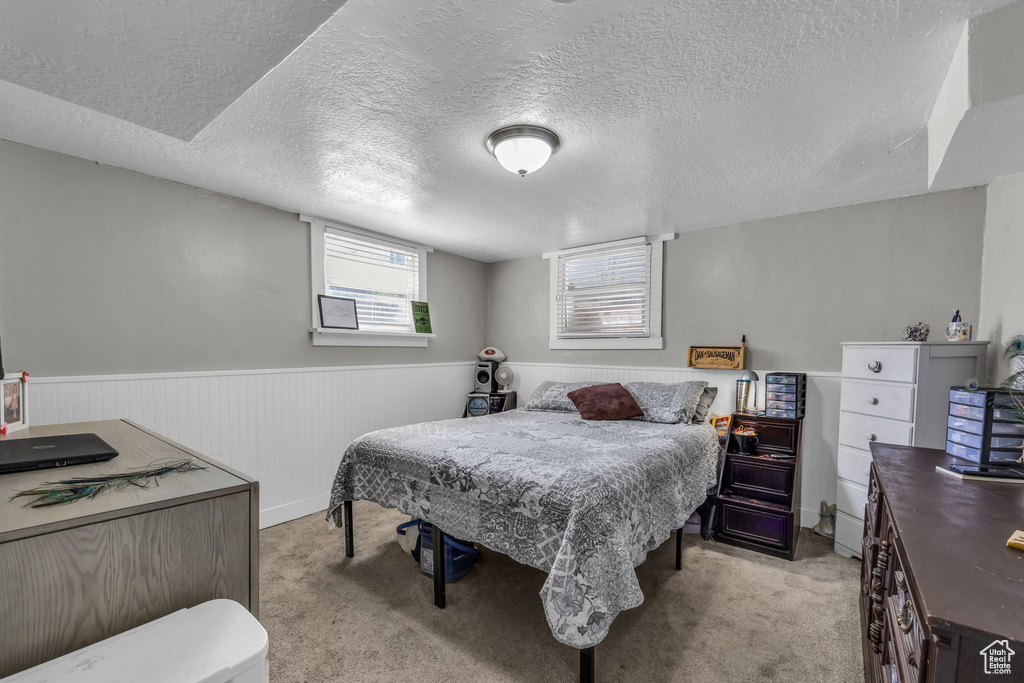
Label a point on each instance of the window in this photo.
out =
(607, 296)
(382, 275)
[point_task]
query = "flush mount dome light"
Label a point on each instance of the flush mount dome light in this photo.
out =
(522, 149)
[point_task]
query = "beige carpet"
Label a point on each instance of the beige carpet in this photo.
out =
(729, 615)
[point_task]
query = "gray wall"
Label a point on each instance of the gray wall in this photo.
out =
(1002, 314)
(797, 286)
(104, 270)
(996, 61)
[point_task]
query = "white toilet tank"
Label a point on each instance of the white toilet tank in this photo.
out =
(215, 642)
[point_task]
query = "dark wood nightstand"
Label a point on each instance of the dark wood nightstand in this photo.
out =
(759, 504)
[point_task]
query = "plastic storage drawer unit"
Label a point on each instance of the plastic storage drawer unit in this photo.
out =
(982, 426)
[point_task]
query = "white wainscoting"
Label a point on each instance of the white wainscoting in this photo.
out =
(820, 428)
(287, 428)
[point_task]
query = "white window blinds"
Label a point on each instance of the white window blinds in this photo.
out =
(604, 293)
(383, 278)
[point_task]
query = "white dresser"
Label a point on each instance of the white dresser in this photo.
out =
(893, 392)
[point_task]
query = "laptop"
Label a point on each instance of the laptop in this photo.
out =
(43, 452)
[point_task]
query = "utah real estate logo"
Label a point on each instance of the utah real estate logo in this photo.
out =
(997, 657)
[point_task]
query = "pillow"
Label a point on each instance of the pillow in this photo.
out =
(700, 414)
(553, 396)
(667, 403)
(605, 402)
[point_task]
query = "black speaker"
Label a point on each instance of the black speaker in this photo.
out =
(484, 381)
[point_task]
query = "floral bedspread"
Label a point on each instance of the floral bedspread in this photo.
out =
(584, 501)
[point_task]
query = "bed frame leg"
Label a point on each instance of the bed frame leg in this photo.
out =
(587, 665)
(679, 549)
(439, 567)
(349, 550)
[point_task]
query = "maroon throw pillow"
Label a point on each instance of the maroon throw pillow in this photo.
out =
(605, 402)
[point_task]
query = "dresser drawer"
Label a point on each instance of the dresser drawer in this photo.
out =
(892, 401)
(752, 523)
(854, 465)
(872, 511)
(890, 363)
(859, 431)
(851, 498)
(759, 478)
(905, 630)
(850, 532)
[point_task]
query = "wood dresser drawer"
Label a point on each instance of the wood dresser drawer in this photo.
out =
(889, 363)
(872, 511)
(858, 431)
(892, 401)
(759, 478)
(905, 630)
(756, 523)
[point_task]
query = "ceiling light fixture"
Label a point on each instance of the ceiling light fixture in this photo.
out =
(522, 149)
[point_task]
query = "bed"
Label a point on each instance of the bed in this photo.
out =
(584, 501)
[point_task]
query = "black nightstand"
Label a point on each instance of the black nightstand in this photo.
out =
(759, 504)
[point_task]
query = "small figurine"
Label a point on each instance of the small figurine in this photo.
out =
(917, 333)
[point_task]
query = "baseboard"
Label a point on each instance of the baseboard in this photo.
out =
(289, 511)
(808, 517)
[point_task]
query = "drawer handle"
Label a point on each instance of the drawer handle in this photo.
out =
(906, 616)
(875, 366)
(873, 401)
(871, 437)
(873, 496)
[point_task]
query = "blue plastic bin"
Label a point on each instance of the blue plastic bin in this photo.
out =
(402, 528)
(459, 556)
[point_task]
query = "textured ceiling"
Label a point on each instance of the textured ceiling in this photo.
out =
(168, 66)
(673, 116)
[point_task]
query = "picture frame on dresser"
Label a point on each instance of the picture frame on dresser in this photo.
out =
(897, 393)
(15, 411)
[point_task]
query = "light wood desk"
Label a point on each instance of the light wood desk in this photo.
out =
(72, 575)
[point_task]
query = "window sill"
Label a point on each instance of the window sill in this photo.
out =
(329, 337)
(616, 343)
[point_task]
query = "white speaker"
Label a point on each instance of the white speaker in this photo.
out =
(484, 380)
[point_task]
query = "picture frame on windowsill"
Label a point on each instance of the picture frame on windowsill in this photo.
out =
(338, 313)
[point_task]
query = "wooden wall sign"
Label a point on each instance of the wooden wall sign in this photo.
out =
(717, 357)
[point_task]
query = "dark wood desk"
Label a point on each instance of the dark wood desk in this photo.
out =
(73, 575)
(939, 584)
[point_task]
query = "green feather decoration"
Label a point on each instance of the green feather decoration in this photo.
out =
(78, 488)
